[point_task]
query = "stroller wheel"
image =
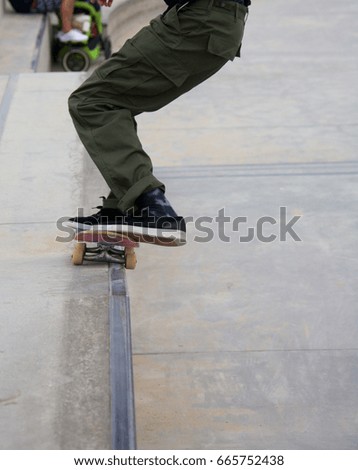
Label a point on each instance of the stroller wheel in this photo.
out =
(107, 48)
(75, 60)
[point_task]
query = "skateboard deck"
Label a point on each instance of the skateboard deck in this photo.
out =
(110, 247)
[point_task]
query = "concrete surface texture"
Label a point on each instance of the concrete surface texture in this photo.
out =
(253, 345)
(54, 334)
(22, 48)
(236, 344)
(125, 19)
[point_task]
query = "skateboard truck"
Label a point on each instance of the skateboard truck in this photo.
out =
(108, 247)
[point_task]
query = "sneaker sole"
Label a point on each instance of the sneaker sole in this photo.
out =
(162, 237)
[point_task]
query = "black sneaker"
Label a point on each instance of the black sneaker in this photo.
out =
(102, 220)
(164, 231)
(154, 221)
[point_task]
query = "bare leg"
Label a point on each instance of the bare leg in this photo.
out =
(66, 11)
(69, 33)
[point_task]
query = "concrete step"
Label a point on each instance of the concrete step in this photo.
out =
(54, 335)
(25, 42)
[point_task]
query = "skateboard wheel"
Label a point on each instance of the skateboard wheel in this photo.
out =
(130, 258)
(78, 253)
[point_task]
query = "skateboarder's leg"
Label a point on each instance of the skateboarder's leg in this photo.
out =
(159, 64)
(107, 129)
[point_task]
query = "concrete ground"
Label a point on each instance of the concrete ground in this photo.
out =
(253, 345)
(237, 344)
(25, 41)
(54, 340)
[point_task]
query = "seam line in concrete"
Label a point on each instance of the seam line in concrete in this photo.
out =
(190, 353)
(339, 126)
(271, 175)
(49, 222)
(256, 170)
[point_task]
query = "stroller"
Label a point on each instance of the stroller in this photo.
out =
(87, 17)
(77, 57)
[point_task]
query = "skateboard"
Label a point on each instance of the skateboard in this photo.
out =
(110, 247)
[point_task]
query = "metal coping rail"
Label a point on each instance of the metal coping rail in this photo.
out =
(5, 103)
(121, 367)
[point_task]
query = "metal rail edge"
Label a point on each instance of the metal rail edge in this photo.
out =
(5, 102)
(43, 35)
(121, 367)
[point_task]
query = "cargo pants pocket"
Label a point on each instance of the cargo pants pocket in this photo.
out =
(222, 47)
(162, 58)
(125, 69)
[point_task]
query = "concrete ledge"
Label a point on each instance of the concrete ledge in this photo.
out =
(125, 20)
(26, 38)
(54, 335)
(25, 42)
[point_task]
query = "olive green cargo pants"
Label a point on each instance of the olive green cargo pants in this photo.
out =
(162, 61)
